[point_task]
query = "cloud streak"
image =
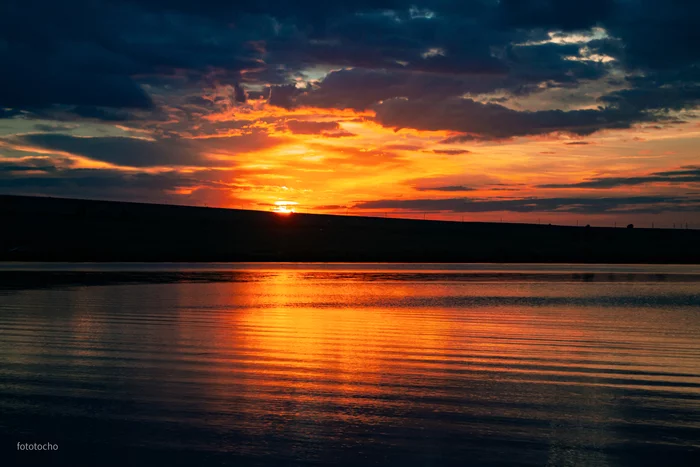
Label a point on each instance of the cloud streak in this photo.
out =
(681, 176)
(580, 205)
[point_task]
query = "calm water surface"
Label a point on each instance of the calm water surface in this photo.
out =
(311, 364)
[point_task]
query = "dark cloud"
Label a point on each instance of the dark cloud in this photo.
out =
(136, 152)
(633, 204)
(531, 66)
(283, 95)
(199, 101)
(360, 88)
(239, 93)
(493, 121)
(656, 35)
(338, 134)
(462, 138)
(307, 12)
(30, 164)
(102, 113)
(445, 188)
(326, 129)
(8, 113)
(681, 176)
(303, 127)
(54, 127)
(119, 185)
(655, 94)
(659, 43)
(111, 59)
(93, 54)
(27, 87)
(119, 150)
(52, 55)
(396, 40)
(554, 14)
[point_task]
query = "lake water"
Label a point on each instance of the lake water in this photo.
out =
(372, 364)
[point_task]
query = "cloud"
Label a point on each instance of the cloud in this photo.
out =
(26, 165)
(92, 112)
(326, 129)
(653, 92)
(402, 147)
(283, 95)
(527, 67)
(118, 150)
(16, 91)
(633, 204)
(451, 151)
(477, 71)
(112, 60)
(675, 42)
(136, 152)
(55, 127)
(303, 127)
(338, 134)
(27, 83)
(445, 188)
(102, 54)
(494, 121)
(681, 176)
(553, 14)
(8, 113)
(169, 187)
(239, 93)
(393, 38)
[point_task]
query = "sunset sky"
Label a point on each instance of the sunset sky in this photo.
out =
(522, 110)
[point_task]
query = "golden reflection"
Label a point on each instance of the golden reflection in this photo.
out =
(312, 353)
(321, 356)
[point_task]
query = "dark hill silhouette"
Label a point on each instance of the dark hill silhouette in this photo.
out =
(54, 229)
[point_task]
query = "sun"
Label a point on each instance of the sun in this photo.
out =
(284, 207)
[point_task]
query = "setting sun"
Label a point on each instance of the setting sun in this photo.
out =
(284, 207)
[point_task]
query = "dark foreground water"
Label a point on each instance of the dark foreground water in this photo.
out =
(430, 365)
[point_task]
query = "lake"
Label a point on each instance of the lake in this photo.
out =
(350, 364)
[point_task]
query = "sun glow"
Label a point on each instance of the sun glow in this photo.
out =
(284, 207)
